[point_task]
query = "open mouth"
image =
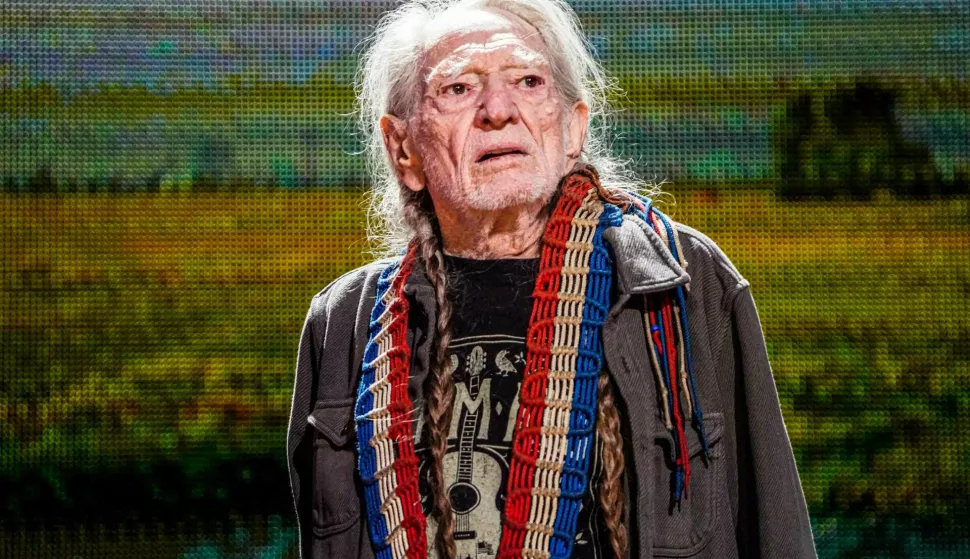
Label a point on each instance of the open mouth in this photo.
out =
(499, 154)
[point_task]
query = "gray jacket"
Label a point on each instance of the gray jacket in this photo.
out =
(747, 502)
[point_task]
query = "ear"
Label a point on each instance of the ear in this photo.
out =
(402, 152)
(576, 132)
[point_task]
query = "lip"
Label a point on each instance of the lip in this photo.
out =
(506, 158)
(522, 151)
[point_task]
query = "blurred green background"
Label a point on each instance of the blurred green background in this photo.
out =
(177, 179)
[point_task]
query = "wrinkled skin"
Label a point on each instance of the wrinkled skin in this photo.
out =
(487, 85)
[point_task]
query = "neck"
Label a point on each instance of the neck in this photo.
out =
(514, 232)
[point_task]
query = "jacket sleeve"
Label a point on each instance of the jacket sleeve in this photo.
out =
(773, 521)
(298, 447)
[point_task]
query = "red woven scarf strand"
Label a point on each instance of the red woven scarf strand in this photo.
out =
(400, 431)
(527, 432)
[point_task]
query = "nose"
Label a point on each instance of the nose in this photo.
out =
(497, 107)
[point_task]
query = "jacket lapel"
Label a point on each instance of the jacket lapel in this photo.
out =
(625, 357)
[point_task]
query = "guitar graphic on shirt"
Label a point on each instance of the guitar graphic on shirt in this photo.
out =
(471, 515)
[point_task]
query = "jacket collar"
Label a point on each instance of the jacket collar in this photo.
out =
(643, 263)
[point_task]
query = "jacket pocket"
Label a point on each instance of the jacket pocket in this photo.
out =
(683, 529)
(335, 502)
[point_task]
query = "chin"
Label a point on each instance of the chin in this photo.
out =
(505, 192)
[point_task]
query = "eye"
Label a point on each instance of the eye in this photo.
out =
(455, 89)
(532, 81)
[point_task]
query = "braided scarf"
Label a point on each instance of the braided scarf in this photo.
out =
(554, 427)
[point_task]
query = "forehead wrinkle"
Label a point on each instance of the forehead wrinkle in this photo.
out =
(459, 61)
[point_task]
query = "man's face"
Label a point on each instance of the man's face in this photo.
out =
(490, 129)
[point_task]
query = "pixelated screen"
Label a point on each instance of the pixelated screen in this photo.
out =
(179, 178)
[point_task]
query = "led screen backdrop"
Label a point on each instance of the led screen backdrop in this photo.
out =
(178, 178)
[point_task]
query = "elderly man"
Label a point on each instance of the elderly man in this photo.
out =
(531, 372)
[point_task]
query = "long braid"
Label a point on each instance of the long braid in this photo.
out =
(418, 213)
(611, 489)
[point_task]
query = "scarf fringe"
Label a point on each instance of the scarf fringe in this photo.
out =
(667, 339)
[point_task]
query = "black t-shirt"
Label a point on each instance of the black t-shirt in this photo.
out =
(492, 303)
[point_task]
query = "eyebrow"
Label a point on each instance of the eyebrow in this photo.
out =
(477, 69)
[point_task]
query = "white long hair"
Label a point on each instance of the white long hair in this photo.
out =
(388, 80)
